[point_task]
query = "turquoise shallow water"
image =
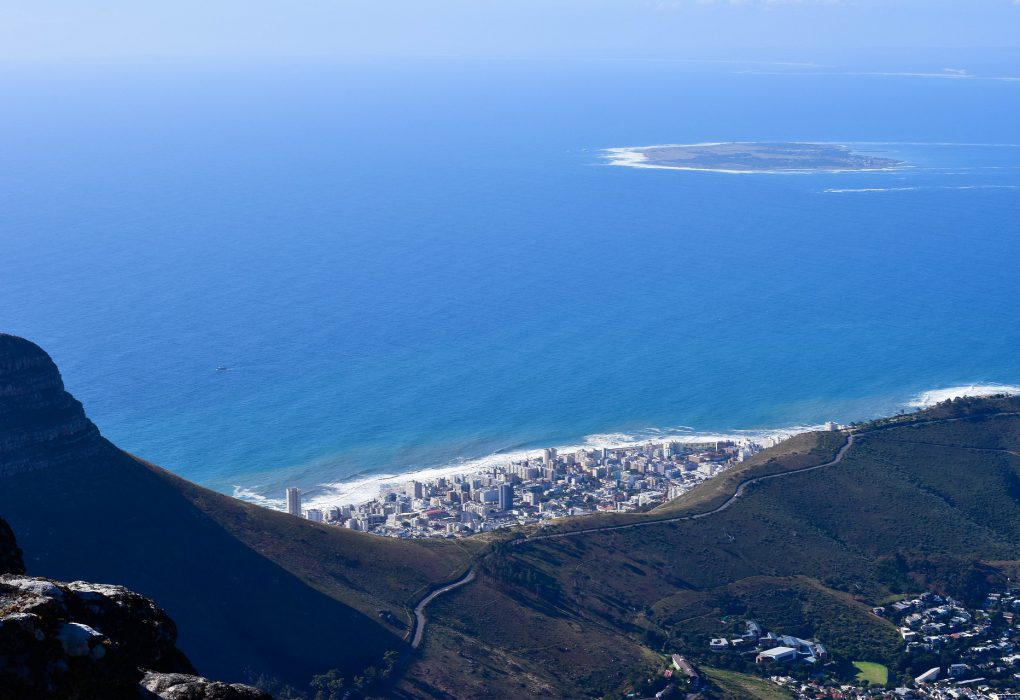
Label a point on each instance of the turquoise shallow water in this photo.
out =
(407, 266)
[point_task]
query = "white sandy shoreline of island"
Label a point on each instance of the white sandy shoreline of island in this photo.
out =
(635, 157)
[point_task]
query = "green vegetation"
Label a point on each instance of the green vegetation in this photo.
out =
(493, 639)
(807, 555)
(765, 157)
(369, 573)
(875, 674)
(799, 606)
(730, 685)
(914, 505)
(805, 450)
(587, 615)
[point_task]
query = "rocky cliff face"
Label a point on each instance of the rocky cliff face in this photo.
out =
(10, 555)
(85, 641)
(83, 509)
(43, 425)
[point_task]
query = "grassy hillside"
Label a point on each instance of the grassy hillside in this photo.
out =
(730, 685)
(929, 500)
(257, 594)
(367, 572)
(239, 613)
(799, 451)
(912, 506)
(493, 641)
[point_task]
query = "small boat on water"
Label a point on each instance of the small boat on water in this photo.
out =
(223, 368)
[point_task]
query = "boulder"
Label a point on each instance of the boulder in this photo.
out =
(180, 686)
(86, 641)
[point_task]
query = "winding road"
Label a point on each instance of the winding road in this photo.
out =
(741, 488)
(419, 610)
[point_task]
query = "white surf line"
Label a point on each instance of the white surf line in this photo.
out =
(916, 188)
(742, 487)
(887, 74)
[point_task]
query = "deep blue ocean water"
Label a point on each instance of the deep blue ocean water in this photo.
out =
(409, 265)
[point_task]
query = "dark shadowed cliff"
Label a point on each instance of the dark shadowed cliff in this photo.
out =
(10, 555)
(86, 641)
(82, 509)
(36, 413)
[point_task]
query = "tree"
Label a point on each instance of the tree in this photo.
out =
(328, 686)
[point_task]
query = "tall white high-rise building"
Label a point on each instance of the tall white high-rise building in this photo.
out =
(294, 501)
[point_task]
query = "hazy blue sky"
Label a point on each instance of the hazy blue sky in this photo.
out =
(197, 29)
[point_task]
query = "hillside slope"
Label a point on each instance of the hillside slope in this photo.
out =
(914, 504)
(927, 500)
(255, 593)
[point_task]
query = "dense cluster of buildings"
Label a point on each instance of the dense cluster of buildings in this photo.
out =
(771, 648)
(979, 650)
(538, 489)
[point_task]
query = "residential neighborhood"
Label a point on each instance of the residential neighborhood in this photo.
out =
(977, 650)
(539, 489)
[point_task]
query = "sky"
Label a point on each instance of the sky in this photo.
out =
(201, 30)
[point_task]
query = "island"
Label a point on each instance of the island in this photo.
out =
(751, 157)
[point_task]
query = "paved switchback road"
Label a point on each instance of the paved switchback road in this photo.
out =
(419, 609)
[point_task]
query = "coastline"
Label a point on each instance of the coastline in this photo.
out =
(359, 490)
(635, 157)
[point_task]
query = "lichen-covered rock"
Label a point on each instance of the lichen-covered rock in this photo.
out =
(78, 641)
(10, 555)
(91, 641)
(180, 686)
(126, 616)
(46, 653)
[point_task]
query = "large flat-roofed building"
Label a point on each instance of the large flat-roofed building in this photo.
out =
(776, 655)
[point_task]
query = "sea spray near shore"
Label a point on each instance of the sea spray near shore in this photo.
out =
(361, 490)
(930, 398)
(862, 190)
(364, 489)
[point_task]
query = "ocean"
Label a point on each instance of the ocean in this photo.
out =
(408, 267)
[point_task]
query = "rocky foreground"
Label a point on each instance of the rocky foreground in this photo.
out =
(85, 641)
